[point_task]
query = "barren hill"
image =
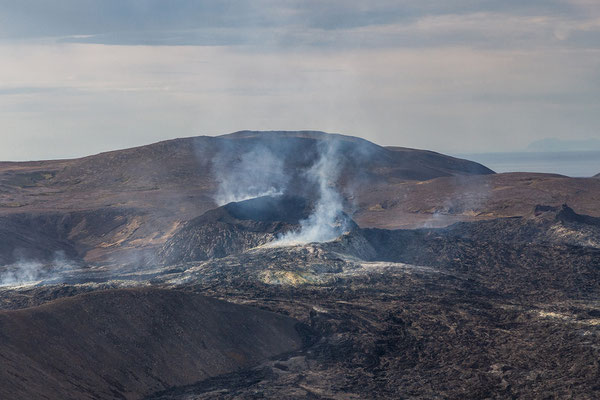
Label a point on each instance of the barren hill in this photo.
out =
(129, 343)
(122, 206)
(182, 173)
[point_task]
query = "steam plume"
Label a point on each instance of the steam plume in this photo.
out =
(327, 221)
(25, 272)
(257, 172)
(272, 164)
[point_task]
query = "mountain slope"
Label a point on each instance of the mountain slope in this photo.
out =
(188, 166)
(128, 203)
(129, 343)
(136, 198)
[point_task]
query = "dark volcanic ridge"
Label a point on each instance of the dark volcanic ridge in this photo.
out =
(235, 227)
(214, 247)
(250, 230)
(240, 226)
(130, 343)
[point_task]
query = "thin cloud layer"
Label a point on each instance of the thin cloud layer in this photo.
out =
(82, 76)
(270, 23)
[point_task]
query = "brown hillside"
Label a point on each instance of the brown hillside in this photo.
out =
(124, 344)
(120, 206)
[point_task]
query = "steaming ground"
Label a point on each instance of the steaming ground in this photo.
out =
(503, 304)
(505, 308)
(32, 272)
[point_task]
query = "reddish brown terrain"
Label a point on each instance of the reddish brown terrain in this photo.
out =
(135, 274)
(125, 204)
(442, 201)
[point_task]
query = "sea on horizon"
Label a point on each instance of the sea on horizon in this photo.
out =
(569, 163)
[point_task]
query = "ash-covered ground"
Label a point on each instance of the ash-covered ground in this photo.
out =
(285, 296)
(507, 308)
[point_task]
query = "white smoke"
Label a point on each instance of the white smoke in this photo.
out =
(246, 171)
(326, 222)
(257, 172)
(29, 272)
(465, 198)
(20, 273)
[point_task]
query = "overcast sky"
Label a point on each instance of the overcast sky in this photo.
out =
(82, 76)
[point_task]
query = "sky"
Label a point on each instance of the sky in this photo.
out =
(78, 77)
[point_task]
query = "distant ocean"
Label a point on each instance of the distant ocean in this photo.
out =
(569, 163)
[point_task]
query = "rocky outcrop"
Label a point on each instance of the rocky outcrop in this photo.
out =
(234, 228)
(239, 226)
